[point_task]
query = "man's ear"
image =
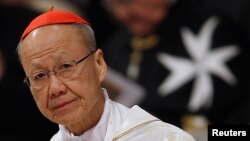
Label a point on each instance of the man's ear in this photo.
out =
(100, 65)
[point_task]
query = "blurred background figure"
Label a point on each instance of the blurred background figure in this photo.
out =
(20, 118)
(191, 57)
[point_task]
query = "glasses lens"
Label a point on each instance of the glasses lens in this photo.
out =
(66, 70)
(38, 79)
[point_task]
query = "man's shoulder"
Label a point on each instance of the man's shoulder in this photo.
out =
(140, 125)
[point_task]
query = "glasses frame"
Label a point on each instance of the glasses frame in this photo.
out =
(27, 81)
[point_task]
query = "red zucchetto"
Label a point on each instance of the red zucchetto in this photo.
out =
(53, 17)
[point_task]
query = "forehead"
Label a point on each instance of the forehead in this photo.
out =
(52, 33)
(52, 37)
(50, 43)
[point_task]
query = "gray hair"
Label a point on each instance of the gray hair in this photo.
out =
(87, 33)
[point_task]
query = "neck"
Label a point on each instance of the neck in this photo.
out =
(88, 122)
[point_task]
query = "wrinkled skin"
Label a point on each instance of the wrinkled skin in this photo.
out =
(78, 103)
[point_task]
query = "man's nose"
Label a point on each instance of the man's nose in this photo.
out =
(56, 86)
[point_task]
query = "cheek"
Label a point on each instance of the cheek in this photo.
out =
(86, 81)
(86, 88)
(41, 99)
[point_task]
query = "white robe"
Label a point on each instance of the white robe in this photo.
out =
(125, 124)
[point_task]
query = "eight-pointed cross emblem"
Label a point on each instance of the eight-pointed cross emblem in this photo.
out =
(200, 66)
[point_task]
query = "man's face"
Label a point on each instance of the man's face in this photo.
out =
(71, 101)
(141, 17)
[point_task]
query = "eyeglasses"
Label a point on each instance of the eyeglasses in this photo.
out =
(64, 71)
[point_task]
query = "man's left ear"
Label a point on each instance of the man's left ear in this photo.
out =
(100, 64)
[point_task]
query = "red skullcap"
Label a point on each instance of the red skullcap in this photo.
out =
(53, 17)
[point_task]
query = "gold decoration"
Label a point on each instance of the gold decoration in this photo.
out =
(139, 44)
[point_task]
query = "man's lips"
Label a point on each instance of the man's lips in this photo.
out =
(62, 104)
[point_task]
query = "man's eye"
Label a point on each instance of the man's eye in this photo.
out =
(40, 76)
(65, 66)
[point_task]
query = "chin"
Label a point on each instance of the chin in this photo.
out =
(66, 120)
(63, 119)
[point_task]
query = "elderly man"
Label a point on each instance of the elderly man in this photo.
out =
(64, 72)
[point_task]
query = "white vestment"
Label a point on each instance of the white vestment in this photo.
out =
(119, 123)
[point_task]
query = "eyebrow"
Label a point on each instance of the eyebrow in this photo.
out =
(57, 59)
